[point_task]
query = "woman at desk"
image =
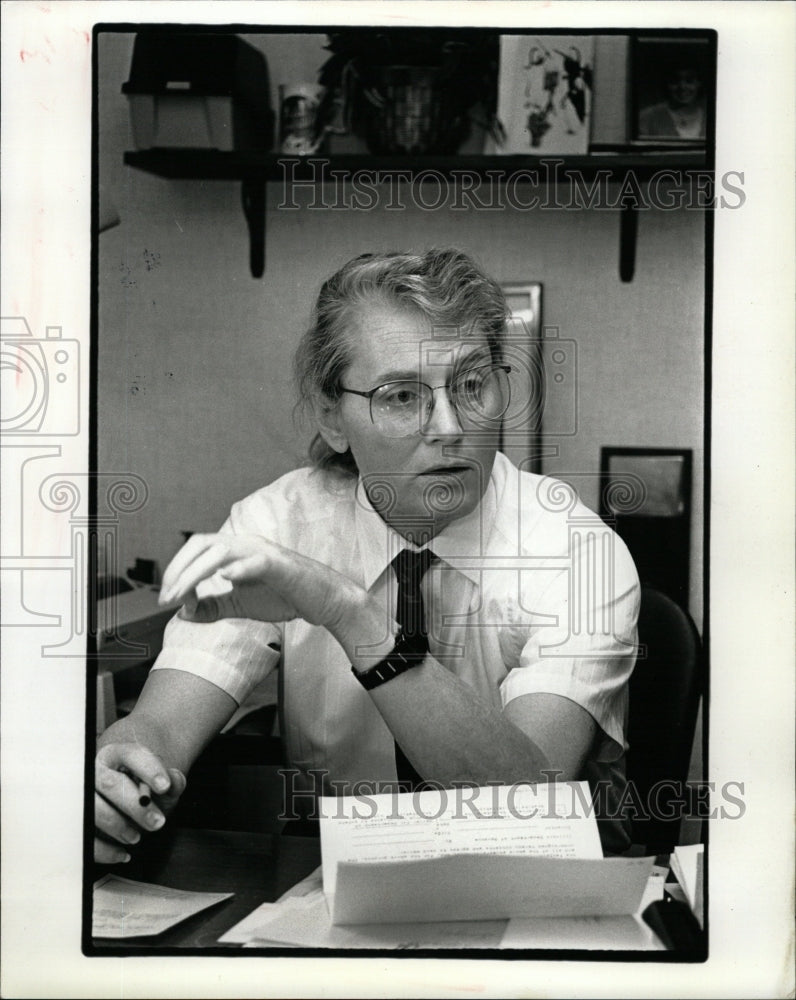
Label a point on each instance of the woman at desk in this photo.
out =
(436, 613)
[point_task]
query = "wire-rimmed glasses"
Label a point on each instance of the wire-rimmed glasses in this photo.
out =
(480, 396)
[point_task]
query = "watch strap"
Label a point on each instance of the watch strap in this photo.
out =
(408, 652)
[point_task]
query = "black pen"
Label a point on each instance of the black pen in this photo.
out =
(144, 792)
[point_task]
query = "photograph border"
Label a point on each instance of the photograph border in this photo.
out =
(751, 458)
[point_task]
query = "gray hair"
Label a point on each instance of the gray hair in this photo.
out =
(443, 284)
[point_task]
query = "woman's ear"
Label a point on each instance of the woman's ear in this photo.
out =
(330, 425)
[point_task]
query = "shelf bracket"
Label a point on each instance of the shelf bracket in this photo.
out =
(253, 198)
(628, 231)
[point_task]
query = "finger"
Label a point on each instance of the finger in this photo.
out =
(251, 567)
(202, 568)
(212, 609)
(121, 793)
(111, 823)
(195, 545)
(109, 854)
(181, 573)
(178, 784)
(138, 761)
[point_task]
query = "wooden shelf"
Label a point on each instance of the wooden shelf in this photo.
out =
(213, 164)
(255, 169)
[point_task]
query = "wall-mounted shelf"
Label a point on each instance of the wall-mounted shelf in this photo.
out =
(213, 164)
(255, 169)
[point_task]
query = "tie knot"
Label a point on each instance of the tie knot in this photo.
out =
(410, 567)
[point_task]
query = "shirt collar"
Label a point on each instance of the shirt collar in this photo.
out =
(466, 537)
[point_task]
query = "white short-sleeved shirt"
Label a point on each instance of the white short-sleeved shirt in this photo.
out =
(531, 592)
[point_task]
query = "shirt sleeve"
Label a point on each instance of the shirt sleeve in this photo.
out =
(235, 654)
(584, 647)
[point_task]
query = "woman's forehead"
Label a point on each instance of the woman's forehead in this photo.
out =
(383, 338)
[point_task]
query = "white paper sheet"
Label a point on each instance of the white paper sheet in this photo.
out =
(244, 930)
(437, 869)
(124, 908)
(622, 933)
(628, 933)
(306, 923)
(551, 820)
(301, 918)
(487, 887)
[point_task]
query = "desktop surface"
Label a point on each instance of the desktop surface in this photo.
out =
(258, 868)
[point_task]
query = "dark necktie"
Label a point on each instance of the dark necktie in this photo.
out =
(410, 568)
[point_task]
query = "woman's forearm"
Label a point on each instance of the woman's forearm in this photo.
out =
(176, 716)
(449, 734)
(445, 729)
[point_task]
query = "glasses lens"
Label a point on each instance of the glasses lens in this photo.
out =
(482, 394)
(400, 408)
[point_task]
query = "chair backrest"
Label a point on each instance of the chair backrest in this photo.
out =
(664, 698)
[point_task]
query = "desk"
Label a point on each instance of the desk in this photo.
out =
(257, 867)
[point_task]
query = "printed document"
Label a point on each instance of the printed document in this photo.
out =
(552, 820)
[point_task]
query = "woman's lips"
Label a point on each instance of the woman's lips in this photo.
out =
(447, 470)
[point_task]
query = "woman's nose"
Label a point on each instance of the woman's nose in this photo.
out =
(443, 420)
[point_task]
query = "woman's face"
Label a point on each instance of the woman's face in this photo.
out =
(683, 87)
(438, 473)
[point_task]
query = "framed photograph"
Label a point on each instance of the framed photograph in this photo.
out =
(545, 93)
(522, 426)
(672, 80)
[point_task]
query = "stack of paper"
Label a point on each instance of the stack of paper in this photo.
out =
(472, 854)
(491, 868)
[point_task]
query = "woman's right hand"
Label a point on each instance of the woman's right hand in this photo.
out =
(119, 818)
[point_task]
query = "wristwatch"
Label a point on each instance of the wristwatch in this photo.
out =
(408, 652)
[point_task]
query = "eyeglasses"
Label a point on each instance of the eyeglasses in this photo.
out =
(479, 396)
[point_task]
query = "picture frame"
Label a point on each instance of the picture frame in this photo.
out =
(661, 478)
(545, 94)
(672, 82)
(521, 431)
(646, 498)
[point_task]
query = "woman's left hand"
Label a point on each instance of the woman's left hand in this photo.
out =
(270, 583)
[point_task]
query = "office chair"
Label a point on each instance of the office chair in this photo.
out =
(665, 689)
